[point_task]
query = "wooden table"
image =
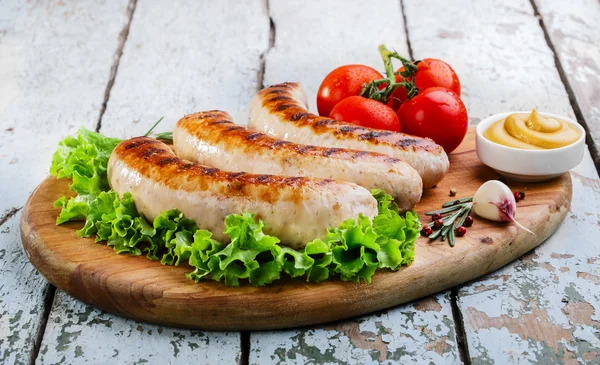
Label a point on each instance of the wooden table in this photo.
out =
(117, 66)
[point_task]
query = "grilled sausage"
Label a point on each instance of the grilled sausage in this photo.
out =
(280, 111)
(295, 209)
(211, 138)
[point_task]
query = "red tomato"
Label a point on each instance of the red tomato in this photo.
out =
(341, 83)
(431, 72)
(366, 113)
(438, 114)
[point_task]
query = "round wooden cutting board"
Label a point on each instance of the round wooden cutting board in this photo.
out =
(146, 290)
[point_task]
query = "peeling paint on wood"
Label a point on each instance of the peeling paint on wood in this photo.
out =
(544, 307)
(54, 63)
(78, 333)
(499, 56)
(182, 58)
(422, 332)
(22, 292)
(573, 29)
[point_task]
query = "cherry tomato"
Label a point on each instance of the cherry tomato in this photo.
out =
(341, 83)
(366, 113)
(431, 72)
(438, 114)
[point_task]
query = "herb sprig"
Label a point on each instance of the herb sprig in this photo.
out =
(450, 221)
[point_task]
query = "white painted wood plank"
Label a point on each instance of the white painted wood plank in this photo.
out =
(574, 32)
(183, 57)
(496, 48)
(179, 58)
(422, 332)
(22, 292)
(55, 59)
(310, 41)
(544, 307)
(82, 334)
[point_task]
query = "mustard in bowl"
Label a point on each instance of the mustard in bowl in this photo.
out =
(530, 146)
(532, 132)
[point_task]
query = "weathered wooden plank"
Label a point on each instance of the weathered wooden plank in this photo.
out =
(54, 63)
(573, 30)
(308, 44)
(83, 334)
(544, 307)
(22, 292)
(496, 48)
(182, 58)
(422, 332)
(178, 58)
(55, 58)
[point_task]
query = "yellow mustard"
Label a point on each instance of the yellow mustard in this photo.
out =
(532, 132)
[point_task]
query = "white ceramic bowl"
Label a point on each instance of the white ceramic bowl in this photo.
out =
(528, 165)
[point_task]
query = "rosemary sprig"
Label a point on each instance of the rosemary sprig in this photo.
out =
(444, 210)
(460, 201)
(449, 226)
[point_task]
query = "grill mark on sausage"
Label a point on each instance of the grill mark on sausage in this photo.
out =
(168, 161)
(209, 170)
(150, 151)
(222, 121)
(348, 128)
(369, 136)
(253, 136)
(297, 116)
(331, 151)
(280, 97)
(323, 122)
(406, 142)
(360, 154)
(136, 144)
(233, 128)
(276, 91)
(233, 175)
(186, 165)
(283, 107)
(280, 142)
(304, 148)
(325, 181)
(293, 179)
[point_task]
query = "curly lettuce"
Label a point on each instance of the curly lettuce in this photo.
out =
(353, 251)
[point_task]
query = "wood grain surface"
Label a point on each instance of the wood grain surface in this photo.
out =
(55, 60)
(572, 27)
(142, 289)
